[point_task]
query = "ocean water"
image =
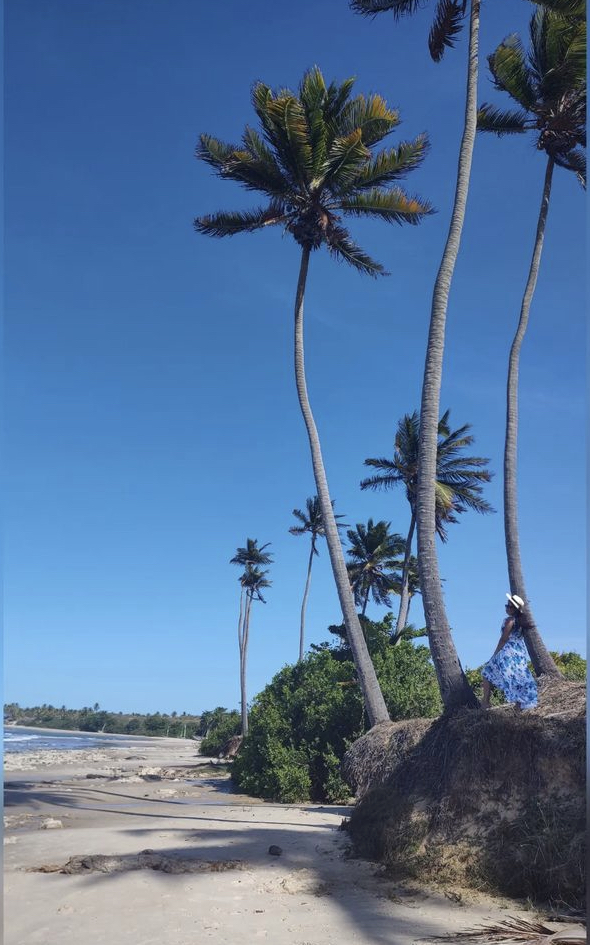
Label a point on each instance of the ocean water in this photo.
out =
(19, 738)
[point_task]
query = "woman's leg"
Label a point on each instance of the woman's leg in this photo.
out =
(487, 691)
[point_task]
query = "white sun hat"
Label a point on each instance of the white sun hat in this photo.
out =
(516, 601)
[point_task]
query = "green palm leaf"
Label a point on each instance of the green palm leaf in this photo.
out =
(569, 9)
(313, 94)
(574, 161)
(500, 121)
(395, 163)
(391, 205)
(227, 223)
(508, 65)
(346, 157)
(343, 247)
(397, 7)
(448, 23)
(371, 116)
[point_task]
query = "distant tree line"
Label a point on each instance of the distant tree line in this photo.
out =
(95, 719)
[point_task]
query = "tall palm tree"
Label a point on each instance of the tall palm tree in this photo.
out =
(549, 87)
(312, 524)
(457, 486)
(448, 20)
(250, 558)
(314, 163)
(373, 559)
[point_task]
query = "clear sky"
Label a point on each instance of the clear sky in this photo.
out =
(152, 421)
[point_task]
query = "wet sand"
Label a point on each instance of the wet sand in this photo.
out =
(162, 852)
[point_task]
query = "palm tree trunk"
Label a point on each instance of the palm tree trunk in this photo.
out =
(404, 603)
(541, 658)
(366, 601)
(243, 658)
(454, 688)
(374, 701)
(304, 604)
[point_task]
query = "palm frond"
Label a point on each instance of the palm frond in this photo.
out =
(391, 205)
(501, 121)
(344, 161)
(313, 94)
(371, 116)
(573, 161)
(569, 9)
(343, 247)
(399, 8)
(227, 223)
(448, 23)
(508, 65)
(394, 163)
(512, 931)
(257, 168)
(390, 473)
(291, 134)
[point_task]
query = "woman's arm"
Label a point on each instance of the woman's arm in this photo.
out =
(507, 628)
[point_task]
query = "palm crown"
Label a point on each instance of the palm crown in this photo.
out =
(549, 85)
(314, 162)
(252, 555)
(373, 555)
(458, 478)
(312, 522)
(253, 580)
(446, 26)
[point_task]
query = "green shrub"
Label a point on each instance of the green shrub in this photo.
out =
(302, 723)
(572, 665)
(222, 726)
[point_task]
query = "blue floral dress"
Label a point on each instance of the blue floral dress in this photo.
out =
(508, 671)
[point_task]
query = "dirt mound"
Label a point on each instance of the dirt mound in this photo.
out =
(494, 800)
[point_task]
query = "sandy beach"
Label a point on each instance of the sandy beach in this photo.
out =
(149, 846)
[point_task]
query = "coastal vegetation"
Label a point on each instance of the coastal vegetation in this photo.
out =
(95, 719)
(307, 717)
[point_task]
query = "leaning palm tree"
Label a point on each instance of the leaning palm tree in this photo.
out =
(549, 88)
(314, 164)
(312, 524)
(458, 484)
(250, 558)
(448, 21)
(373, 559)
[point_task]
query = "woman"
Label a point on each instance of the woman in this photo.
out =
(508, 668)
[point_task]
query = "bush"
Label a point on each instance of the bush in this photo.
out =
(302, 723)
(222, 726)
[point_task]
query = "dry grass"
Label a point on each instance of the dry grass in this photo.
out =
(494, 800)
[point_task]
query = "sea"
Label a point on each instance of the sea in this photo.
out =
(19, 739)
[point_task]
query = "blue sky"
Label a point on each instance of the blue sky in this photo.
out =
(152, 421)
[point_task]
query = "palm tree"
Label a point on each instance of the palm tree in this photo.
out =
(457, 486)
(314, 163)
(549, 87)
(448, 19)
(249, 557)
(311, 524)
(374, 555)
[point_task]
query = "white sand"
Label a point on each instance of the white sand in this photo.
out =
(312, 894)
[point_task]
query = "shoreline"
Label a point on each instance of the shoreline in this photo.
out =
(152, 845)
(75, 731)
